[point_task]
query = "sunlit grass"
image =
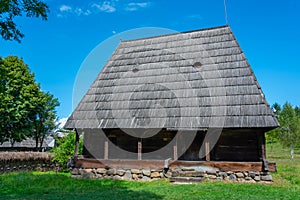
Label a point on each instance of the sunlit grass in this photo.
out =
(51, 185)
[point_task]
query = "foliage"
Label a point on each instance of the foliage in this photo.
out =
(44, 120)
(297, 110)
(18, 99)
(65, 147)
(289, 131)
(276, 109)
(9, 9)
(25, 110)
(273, 135)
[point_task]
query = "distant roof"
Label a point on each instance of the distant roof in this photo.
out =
(28, 143)
(191, 80)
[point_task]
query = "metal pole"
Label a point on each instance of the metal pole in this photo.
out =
(225, 11)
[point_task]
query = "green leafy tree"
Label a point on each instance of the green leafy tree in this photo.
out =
(18, 99)
(273, 135)
(9, 9)
(25, 110)
(289, 131)
(276, 109)
(297, 110)
(44, 119)
(64, 149)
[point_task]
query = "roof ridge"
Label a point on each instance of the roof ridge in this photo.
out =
(170, 34)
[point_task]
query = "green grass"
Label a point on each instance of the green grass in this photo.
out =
(36, 185)
(288, 169)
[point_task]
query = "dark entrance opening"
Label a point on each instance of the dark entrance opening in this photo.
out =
(192, 153)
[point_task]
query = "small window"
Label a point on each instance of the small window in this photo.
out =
(135, 70)
(197, 64)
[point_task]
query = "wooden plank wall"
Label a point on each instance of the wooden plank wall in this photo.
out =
(237, 145)
(93, 143)
(233, 145)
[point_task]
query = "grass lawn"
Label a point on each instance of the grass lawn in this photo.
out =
(38, 185)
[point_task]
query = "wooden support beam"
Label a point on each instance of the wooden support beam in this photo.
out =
(207, 151)
(76, 142)
(227, 166)
(106, 150)
(262, 149)
(139, 150)
(159, 164)
(175, 152)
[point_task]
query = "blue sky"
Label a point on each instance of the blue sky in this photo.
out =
(268, 32)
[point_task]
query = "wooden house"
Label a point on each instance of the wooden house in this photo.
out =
(174, 101)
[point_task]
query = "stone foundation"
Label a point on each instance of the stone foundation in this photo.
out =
(180, 174)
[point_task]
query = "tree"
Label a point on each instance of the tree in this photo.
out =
(9, 9)
(18, 99)
(297, 110)
(273, 135)
(276, 109)
(289, 131)
(44, 119)
(25, 110)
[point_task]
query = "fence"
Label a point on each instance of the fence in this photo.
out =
(27, 161)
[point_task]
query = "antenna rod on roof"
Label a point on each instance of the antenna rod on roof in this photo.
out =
(225, 10)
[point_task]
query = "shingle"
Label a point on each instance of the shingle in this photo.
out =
(195, 79)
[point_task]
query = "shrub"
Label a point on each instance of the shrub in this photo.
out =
(64, 149)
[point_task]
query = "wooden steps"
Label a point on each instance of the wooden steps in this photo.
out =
(186, 179)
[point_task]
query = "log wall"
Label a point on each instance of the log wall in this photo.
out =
(237, 145)
(242, 145)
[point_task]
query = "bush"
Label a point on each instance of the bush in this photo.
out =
(64, 149)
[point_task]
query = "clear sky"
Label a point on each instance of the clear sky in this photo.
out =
(268, 32)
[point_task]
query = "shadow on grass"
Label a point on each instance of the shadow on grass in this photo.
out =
(35, 185)
(60, 186)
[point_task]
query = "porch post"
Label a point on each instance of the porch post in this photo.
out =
(207, 152)
(139, 150)
(76, 143)
(175, 152)
(106, 149)
(262, 150)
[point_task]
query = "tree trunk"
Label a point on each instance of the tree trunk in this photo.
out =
(36, 143)
(37, 135)
(292, 152)
(41, 143)
(12, 143)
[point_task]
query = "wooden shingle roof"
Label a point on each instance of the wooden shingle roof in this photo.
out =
(27, 143)
(190, 80)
